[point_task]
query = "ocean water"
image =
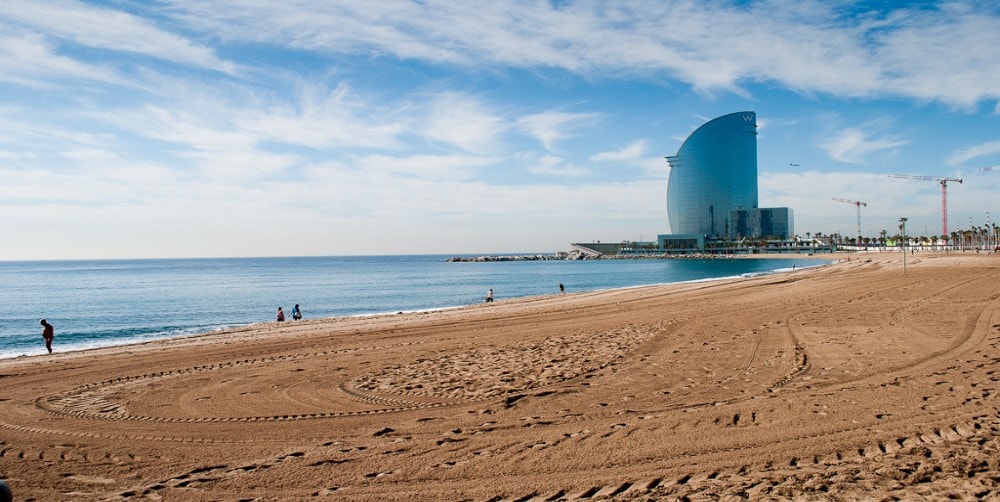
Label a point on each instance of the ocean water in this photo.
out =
(98, 303)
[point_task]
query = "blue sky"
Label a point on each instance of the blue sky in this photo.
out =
(194, 128)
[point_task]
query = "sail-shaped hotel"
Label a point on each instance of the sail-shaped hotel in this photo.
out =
(712, 191)
(712, 197)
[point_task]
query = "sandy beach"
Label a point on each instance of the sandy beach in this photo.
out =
(848, 381)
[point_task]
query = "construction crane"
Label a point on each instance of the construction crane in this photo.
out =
(858, 204)
(944, 196)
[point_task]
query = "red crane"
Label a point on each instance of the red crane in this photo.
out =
(858, 204)
(944, 196)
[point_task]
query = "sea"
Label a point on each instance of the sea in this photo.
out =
(100, 303)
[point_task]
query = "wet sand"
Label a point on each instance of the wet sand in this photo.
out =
(849, 381)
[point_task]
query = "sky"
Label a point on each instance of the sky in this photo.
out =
(196, 128)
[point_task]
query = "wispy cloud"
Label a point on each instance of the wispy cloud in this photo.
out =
(634, 151)
(321, 118)
(943, 53)
(110, 29)
(462, 121)
(552, 165)
(419, 121)
(426, 167)
(938, 53)
(964, 155)
(857, 145)
(30, 60)
(551, 126)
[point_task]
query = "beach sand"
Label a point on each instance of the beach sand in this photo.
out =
(848, 381)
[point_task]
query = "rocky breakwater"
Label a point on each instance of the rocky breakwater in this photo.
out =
(521, 257)
(574, 255)
(668, 256)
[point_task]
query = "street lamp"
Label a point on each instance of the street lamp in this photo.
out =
(902, 228)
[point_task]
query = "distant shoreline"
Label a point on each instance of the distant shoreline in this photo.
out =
(577, 256)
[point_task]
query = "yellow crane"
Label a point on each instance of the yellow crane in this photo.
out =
(858, 204)
(944, 196)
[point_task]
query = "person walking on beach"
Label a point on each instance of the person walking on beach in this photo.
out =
(296, 313)
(562, 289)
(489, 296)
(281, 315)
(48, 333)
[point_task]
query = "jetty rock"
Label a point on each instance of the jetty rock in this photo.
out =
(521, 257)
(576, 255)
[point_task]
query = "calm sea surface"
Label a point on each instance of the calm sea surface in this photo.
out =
(113, 302)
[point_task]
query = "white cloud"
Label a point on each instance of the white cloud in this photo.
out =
(634, 151)
(462, 121)
(551, 165)
(241, 167)
(426, 167)
(551, 126)
(188, 128)
(110, 29)
(380, 122)
(654, 169)
(964, 155)
(940, 53)
(323, 119)
(856, 145)
(30, 60)
(944, 53)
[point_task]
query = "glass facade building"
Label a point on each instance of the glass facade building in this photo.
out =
(775, 223)
(713, 174)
